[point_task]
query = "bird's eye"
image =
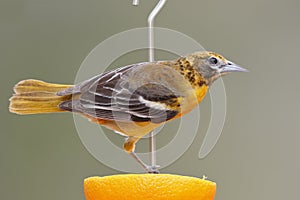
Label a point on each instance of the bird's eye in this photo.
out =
(213, 61)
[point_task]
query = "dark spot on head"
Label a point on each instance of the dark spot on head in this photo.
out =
(201, 83)
(190, 68)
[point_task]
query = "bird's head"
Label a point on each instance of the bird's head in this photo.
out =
(212, 65)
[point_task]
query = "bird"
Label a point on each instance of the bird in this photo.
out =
(132, 100)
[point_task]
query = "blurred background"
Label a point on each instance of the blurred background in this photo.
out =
(257, 155)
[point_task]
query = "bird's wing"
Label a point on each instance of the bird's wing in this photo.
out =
(101, 78)
(141, 92)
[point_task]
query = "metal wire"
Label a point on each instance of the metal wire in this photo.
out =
(151, 17)
(135, 2)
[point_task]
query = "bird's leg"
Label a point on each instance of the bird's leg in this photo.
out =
(129, 146)
(147, 168)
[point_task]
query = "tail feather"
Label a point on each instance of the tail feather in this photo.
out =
(31, 85)
(34, 96)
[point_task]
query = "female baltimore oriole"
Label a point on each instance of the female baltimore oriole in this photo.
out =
(131, 100)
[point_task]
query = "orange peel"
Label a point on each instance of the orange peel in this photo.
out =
(148, 187)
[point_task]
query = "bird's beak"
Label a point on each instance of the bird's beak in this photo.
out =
(231, 67)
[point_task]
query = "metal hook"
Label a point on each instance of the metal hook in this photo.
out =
(151, 17)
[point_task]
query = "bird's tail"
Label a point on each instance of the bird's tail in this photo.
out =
(34, 96)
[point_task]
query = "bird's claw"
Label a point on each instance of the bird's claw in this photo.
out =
(153, 169)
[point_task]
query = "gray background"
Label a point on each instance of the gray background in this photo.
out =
(257, 156)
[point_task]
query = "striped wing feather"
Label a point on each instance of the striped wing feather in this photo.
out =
(117, 95)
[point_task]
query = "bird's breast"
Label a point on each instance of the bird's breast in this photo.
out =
(193, 99)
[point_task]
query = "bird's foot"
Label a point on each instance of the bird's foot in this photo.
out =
(153, 169)
(148, 168)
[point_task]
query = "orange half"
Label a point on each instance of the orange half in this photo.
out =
(148, 187)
